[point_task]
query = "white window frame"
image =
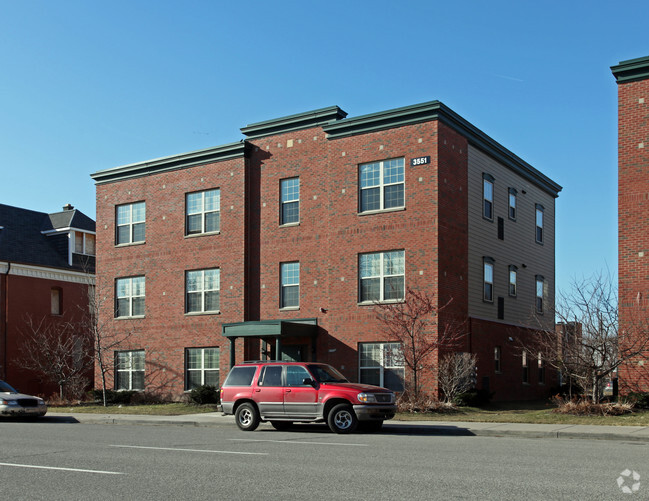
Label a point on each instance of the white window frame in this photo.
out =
(203, 370)
(128, 221)
(488, 187)
(513, 199)
(131, 294)
(289, 276)
(539, 282)
(289, 189)
(513, 280)
(204, 285)
(135, 364)
(384, 167)
(539, 220)
(488, 279)
(382, 274)
(390, 358)
(202, 211)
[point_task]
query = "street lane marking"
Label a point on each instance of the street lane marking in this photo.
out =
(62, 469)
(189, 450)
(295, 442)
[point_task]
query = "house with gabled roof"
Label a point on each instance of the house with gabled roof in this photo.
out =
(47, 263)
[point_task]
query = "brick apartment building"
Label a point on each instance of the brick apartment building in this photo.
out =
(633, 208)
(280, 245)
(46, 266)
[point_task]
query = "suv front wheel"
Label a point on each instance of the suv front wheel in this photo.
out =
(247, 417)
(342, 419)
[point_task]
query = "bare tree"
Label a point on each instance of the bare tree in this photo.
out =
(589, 346)
(456, 374)
(60, 351)
(411, 323)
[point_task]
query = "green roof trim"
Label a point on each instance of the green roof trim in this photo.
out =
(435, 110)
(290, 123)
(174, 162)
(632, 70)
(271, 328)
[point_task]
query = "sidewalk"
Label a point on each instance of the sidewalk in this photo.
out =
(593, 432)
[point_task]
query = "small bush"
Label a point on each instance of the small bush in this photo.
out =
(205, 394)
(585, 407)
(640, 400)
(114, 397)
(473, 398)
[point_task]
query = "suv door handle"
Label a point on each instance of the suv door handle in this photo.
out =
(288, 391)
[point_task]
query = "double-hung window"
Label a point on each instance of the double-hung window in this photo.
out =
(541, 366)
(202, 291)
(290, 200)
(381, 364)
(201, 367)
(203, 212)
(382, 276)
(129, 370)
(539, 223)
(488, 279)
(382, 185)
(497, 359)
(526, 369)
(290, 285)
(513, 278)
(488, 196)
(540, 285)
(130, 223)
(512, 203)
(129, 295)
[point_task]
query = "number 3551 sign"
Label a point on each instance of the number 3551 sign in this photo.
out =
(419, 161)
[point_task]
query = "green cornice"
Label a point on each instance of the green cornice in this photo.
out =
(175, 162)
(632, 70)
(290, 123)
(435, 110)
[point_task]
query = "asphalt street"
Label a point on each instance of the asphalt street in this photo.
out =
(58, 460)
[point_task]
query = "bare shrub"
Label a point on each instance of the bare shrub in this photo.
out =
(586, 407)
(456, 374)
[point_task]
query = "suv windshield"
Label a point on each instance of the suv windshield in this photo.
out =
(326, 374)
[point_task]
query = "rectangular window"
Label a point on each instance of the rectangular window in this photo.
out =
(526, 369)
(130, 223)
(488, 196)
(129, 370)
(56, 301)
(290, 200)
(202, 291)
(539, 223)
(540, 283)
(382, 276)
(203, 212)
(513, 277)
(382, 185)
(488, 279)
(84, 243)
(290, 285)
(129, 296)
(381, 364)
(512, 203)
(497, 357)
(541, 365)
(201, 367)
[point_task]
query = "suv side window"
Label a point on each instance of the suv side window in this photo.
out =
(241, 376)
(295, 375)
(271, 375)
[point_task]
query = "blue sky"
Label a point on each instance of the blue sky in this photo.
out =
(87, 86)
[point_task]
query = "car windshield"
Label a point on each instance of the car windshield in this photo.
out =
(326, 374)
(6, 388)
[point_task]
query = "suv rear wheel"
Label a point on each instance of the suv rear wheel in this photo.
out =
(247, 417)
(342, 419)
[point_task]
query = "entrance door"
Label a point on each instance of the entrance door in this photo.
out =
(294, 353)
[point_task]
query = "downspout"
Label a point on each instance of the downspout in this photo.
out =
(5, 326)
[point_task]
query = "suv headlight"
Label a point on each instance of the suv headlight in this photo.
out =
(366, 398)
(9, 402)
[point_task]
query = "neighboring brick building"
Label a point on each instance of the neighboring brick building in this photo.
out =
(633, 209)
(46, 266)
(281, 243)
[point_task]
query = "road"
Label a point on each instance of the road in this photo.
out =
(46, 460)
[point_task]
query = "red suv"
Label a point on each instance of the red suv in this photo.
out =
(288, 392)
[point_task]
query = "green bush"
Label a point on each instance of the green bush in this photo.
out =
(114, 397)
(473, 398)
(640, 400)
(205, 394)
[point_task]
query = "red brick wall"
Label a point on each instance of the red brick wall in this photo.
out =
(633, 214)
(166, 330)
